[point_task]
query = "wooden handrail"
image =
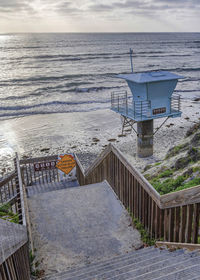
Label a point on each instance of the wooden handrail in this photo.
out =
(98, 160)
(8, 191)
(176, 245)
(7, 179)
(181, 198)
(178, 198)
(142, 180)
(38, 159)
(20, 192)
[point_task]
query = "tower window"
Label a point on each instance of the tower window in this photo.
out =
(159, 111)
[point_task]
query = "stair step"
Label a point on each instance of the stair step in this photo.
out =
(148, 263)
(99, 265)
(121, 266)
(144, 261)
(175, 267)
(191, 273)
(137, 270)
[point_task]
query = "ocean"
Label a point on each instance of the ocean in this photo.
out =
(70, 72)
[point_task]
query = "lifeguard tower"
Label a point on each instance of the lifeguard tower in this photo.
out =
(152, 97)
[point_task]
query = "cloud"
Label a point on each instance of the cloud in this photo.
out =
(153, 5)
(172, 12)
(66, 7)
(12, 6)
(87, 7)
(100, 7)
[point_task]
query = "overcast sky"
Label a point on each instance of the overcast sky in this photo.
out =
(99, 15)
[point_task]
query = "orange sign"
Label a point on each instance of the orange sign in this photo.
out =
(66, 163)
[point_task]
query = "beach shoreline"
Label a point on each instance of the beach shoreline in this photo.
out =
(87, 134)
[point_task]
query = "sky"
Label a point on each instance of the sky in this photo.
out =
(99, 16)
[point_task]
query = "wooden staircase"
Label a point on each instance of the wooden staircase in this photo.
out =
(148, 263)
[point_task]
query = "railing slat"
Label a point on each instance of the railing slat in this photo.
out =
(189, 223)
(177, 224)
(196, 223)
(183, 223)
(171, 224)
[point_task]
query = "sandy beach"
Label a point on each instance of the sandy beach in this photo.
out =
(86, 133)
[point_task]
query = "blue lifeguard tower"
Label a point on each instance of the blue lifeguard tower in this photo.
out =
(152, 97)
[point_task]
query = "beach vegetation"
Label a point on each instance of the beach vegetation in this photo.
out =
(157, 163)
(7, 214)
(166, 173)
(147, 176)
(147, 167)
(176, 150)
(35, 272)
(192, 183)
(196, 168)
(168, 185)
(145, 237)
(193, 129)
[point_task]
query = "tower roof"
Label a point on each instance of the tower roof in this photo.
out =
(149, 77)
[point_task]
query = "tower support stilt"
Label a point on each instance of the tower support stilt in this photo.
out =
(145, 138)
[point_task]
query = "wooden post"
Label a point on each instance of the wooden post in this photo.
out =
(19, 206)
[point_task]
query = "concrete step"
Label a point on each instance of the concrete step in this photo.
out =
(79, 225)
(148, 263)
(48, 187)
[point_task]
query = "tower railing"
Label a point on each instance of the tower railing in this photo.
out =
(175, 103)
(123, 103)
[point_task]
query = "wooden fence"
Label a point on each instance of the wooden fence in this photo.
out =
(27, 172)
(39, 170)
(173, 217)
(16, 265)
(8, 193)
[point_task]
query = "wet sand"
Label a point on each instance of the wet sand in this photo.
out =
(87, 133)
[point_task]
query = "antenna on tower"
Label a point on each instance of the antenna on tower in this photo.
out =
(131, 58)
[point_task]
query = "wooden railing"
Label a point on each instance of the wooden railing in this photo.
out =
(173, 217)
(44, 175)
(14, 254)
(20, 188)
(16, 266)
(8, 193)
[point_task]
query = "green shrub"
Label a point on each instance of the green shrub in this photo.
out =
(144, 234)
(196, 168)
(5, 208)
(166, 173)
(168, 185)
(175, 150)
(192, 183)
(157, 163)
(7, 214)
(147, 167)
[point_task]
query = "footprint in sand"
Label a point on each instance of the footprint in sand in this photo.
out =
(112, 140)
